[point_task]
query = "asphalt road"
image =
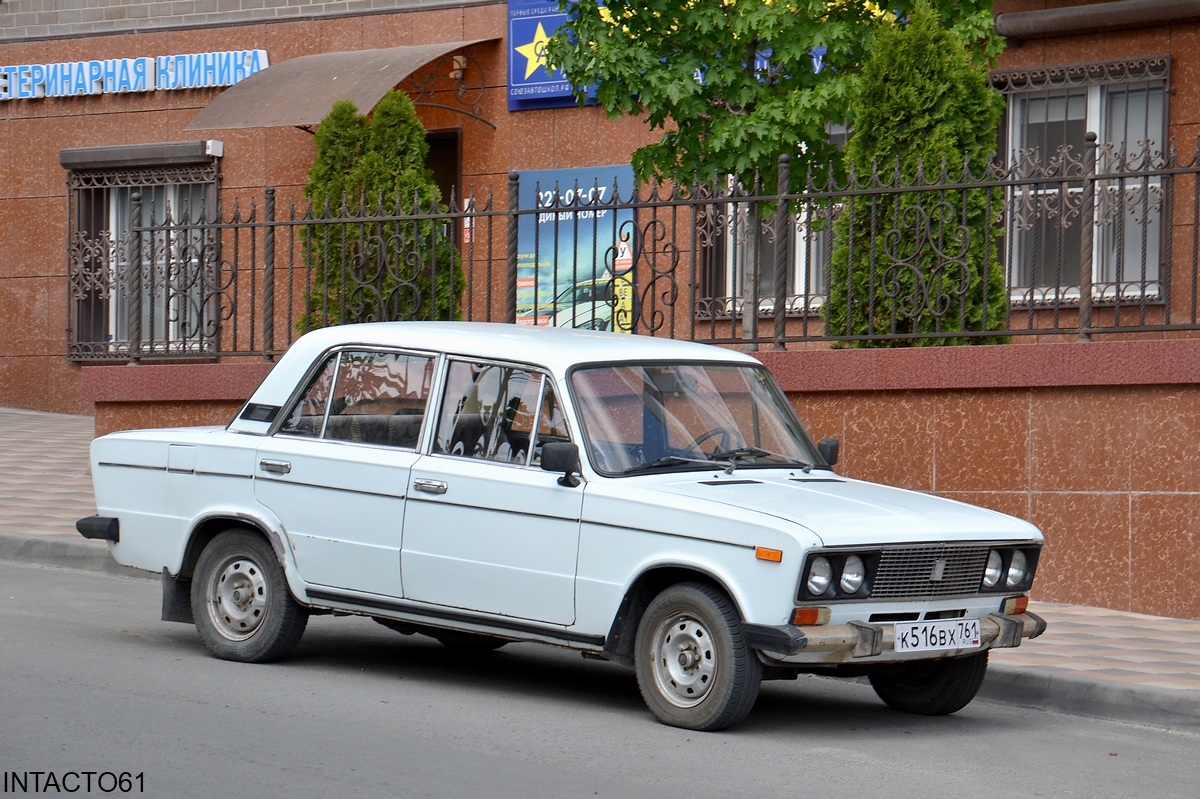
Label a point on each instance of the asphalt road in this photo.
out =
(93, 682)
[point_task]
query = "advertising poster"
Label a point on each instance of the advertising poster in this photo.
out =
(575, 255)
(531, 23)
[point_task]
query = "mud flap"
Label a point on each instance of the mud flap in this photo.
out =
(176, 598)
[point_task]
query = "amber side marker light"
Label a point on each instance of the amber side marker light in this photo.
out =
(1016, 604)
(805, 616)
(773, 555)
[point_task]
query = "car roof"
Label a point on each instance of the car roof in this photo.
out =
(555, 348)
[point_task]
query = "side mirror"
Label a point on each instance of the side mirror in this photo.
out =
(829, 448)
(562, 456)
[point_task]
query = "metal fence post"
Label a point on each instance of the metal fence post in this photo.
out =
(133, 267)
(753, 267)
(783, 248)
(510, 282)
(1087, 216)
(269, 275)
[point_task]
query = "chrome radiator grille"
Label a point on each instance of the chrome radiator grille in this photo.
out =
(936, 570)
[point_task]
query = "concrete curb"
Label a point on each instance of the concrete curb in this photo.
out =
(1045, 689)
(73, 552)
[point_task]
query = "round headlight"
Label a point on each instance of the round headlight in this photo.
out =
(853, 573)
(1017, 569)
(993, 570)
(820, 575)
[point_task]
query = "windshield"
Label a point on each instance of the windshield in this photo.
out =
(649, 417)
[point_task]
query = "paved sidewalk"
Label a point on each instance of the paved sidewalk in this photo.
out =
(1091, 661)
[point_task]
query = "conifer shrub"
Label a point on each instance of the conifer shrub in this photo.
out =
(919, 262)
(373, 252)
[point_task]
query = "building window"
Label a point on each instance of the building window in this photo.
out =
(142, 256)
(739, 244)
(1050, 112)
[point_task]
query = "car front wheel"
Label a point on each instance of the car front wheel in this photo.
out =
(931, 687)
(240, 600)
(694, 667)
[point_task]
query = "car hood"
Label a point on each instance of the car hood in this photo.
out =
(841, 511)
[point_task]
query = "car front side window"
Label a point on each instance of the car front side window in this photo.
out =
(489, 412)
(551, 423)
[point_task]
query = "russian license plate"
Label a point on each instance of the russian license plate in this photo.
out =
(924, 636)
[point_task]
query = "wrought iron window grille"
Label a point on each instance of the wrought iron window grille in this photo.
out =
(144, 271)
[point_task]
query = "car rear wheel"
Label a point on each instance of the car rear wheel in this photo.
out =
(240, 600)
(931, 687)
(694, 667)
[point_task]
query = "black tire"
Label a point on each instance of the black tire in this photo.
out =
(931, 687)
(694, 667)
(240, 600)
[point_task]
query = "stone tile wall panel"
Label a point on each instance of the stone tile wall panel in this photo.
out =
(977, 451)
(1081, 440)
(35, 230)
(26, 19)
(1165, 423)
(890, 439)
(1087, 556)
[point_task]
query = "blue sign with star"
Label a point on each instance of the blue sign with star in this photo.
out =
(531, 84)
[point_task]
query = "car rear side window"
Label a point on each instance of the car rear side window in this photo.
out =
(366, 397)
(307, 416)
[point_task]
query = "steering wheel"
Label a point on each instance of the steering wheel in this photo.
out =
(724, 444)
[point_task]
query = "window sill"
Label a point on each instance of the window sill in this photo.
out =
(1102, 293)
(725, 307)
(105, 351)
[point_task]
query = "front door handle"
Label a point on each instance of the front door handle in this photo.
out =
(430, 486)
(276, 467)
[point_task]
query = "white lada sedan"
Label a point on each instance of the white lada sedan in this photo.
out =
(651, 502)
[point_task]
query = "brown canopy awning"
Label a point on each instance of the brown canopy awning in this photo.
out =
(300, 92)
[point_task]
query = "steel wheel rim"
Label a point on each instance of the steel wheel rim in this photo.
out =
(684, 660)
(237, 598)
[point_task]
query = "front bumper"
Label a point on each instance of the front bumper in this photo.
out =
(861, 642)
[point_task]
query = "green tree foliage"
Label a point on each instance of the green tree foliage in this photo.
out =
(693, 69)
(919, 262)
(398, 265)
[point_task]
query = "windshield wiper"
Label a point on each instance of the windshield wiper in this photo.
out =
(741, 453)
(725, 459)
(673, 460)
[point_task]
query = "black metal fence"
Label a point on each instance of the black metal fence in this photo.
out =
(1070, 245)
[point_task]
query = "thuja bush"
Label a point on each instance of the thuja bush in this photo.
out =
(371, 255)
(922, 264)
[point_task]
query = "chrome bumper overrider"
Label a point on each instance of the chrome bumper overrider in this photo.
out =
(857, 641)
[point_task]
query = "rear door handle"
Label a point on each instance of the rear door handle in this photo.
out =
(430, 486)
(274, 466)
